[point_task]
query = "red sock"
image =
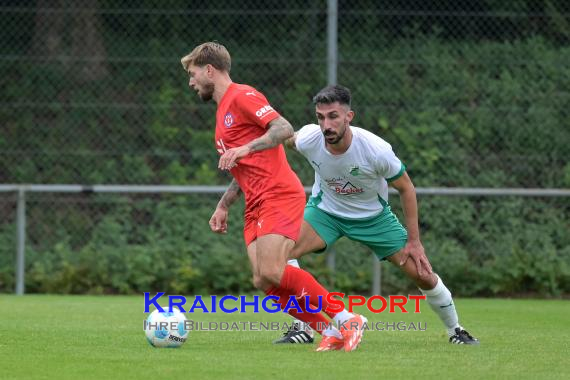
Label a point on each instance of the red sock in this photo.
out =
(301, 283)
(315, 320)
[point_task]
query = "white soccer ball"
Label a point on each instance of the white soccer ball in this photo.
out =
(166, 329)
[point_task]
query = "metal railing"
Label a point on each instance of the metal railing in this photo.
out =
(21, 190)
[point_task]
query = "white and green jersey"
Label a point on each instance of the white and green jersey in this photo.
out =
(354, 184)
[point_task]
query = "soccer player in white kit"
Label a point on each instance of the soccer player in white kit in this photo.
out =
(353, 169)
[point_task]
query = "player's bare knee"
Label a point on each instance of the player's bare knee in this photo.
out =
(296, 252)
(260, 283)
(426, 280)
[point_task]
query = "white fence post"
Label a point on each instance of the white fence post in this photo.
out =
(332, 41)
(21, 241)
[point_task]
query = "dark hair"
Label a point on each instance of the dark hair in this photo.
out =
(333, 93)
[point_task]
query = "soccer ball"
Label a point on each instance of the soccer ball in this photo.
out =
(166, 329)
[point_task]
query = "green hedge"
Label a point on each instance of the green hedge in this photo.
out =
(480, 247)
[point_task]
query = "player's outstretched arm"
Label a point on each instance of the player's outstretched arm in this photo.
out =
(290, 142)
(278, 131)
(413, 248)
(219, 220)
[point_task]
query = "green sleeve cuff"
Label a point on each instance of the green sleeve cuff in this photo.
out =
(400, 173)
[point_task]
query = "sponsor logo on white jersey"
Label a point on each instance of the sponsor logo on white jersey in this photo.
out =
(343, 187)
(348, 189)
(318, 165)
(354, 170)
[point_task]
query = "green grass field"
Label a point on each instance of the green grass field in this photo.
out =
(101, 337)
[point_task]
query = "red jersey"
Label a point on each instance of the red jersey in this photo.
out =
(243, 115)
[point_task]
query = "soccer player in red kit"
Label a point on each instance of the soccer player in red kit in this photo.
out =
(249, 134)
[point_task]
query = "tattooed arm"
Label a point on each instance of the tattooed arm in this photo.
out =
(279, 130)
(219, 220)
(230, 196)
(290, 142)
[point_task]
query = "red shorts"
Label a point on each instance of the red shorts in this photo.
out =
(281, 217)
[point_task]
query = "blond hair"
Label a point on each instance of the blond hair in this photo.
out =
(212, 53)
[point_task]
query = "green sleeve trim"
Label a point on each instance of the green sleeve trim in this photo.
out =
(400, 173)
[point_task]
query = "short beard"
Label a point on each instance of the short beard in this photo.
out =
(338, 138)
(208, 92)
